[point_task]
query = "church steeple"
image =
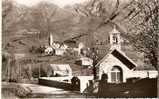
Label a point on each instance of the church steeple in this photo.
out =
(115, 40)
(50, 40)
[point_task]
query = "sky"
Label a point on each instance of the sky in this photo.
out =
(60, 3)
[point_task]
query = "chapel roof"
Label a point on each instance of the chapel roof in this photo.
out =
(122, 57)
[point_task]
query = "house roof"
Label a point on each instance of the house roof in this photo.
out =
(60, 67)
(122, 57)
(71, 43)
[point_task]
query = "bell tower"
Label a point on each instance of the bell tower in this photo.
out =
(50, 40)
(115, 41)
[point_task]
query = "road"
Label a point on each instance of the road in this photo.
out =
(40, 91)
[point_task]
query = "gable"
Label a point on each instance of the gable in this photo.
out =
(123, 59)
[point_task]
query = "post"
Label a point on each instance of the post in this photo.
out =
(30, 71)
(158, 80)
(8, 67)
(39, 71)
(94, 70)
(20, 71)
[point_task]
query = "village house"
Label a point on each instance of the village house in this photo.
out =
(58, 47)
(59, 70)
(86, 62)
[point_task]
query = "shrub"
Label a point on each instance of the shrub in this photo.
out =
(132, 80)
(22, 91)
(35, 49)
(17, 90)
(35, 72)
(43, 72)
(26, 73)
(104, 77)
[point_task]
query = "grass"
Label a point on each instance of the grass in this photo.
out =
(143, 88)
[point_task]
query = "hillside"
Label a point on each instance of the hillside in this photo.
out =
(25, 27)
(64, 23)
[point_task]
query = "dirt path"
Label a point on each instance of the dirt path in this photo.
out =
(40, 91)
(44, 89)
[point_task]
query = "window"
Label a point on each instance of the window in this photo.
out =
(116, 75)
(115, 39)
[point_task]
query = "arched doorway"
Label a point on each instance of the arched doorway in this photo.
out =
(116, 74)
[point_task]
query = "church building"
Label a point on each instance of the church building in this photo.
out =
(117, 65)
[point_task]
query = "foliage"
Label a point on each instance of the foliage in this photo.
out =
(16, 90)
(138, 89)
(26, 72)
(104, 77)
(35, 49)
(142, 24)
(39, 71)
(35, 72)
(22, 91)
(43, 72)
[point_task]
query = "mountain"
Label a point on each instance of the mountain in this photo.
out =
(64, 23)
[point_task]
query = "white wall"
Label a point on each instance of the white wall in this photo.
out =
(110, 61)
(108, 64)
(84, 81)
(144, 74)
(59, 51)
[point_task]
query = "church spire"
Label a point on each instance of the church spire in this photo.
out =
(50, 40)
(115, 38)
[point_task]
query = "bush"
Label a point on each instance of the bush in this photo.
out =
(26, 73)
(35, 49)
(104, 77)
(132, 80)
(12, 80)
(22, 91)
(35, 72)
(17, 90)
(43, 72)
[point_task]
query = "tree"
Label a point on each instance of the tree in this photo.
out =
(94, 57)
(142, 23)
